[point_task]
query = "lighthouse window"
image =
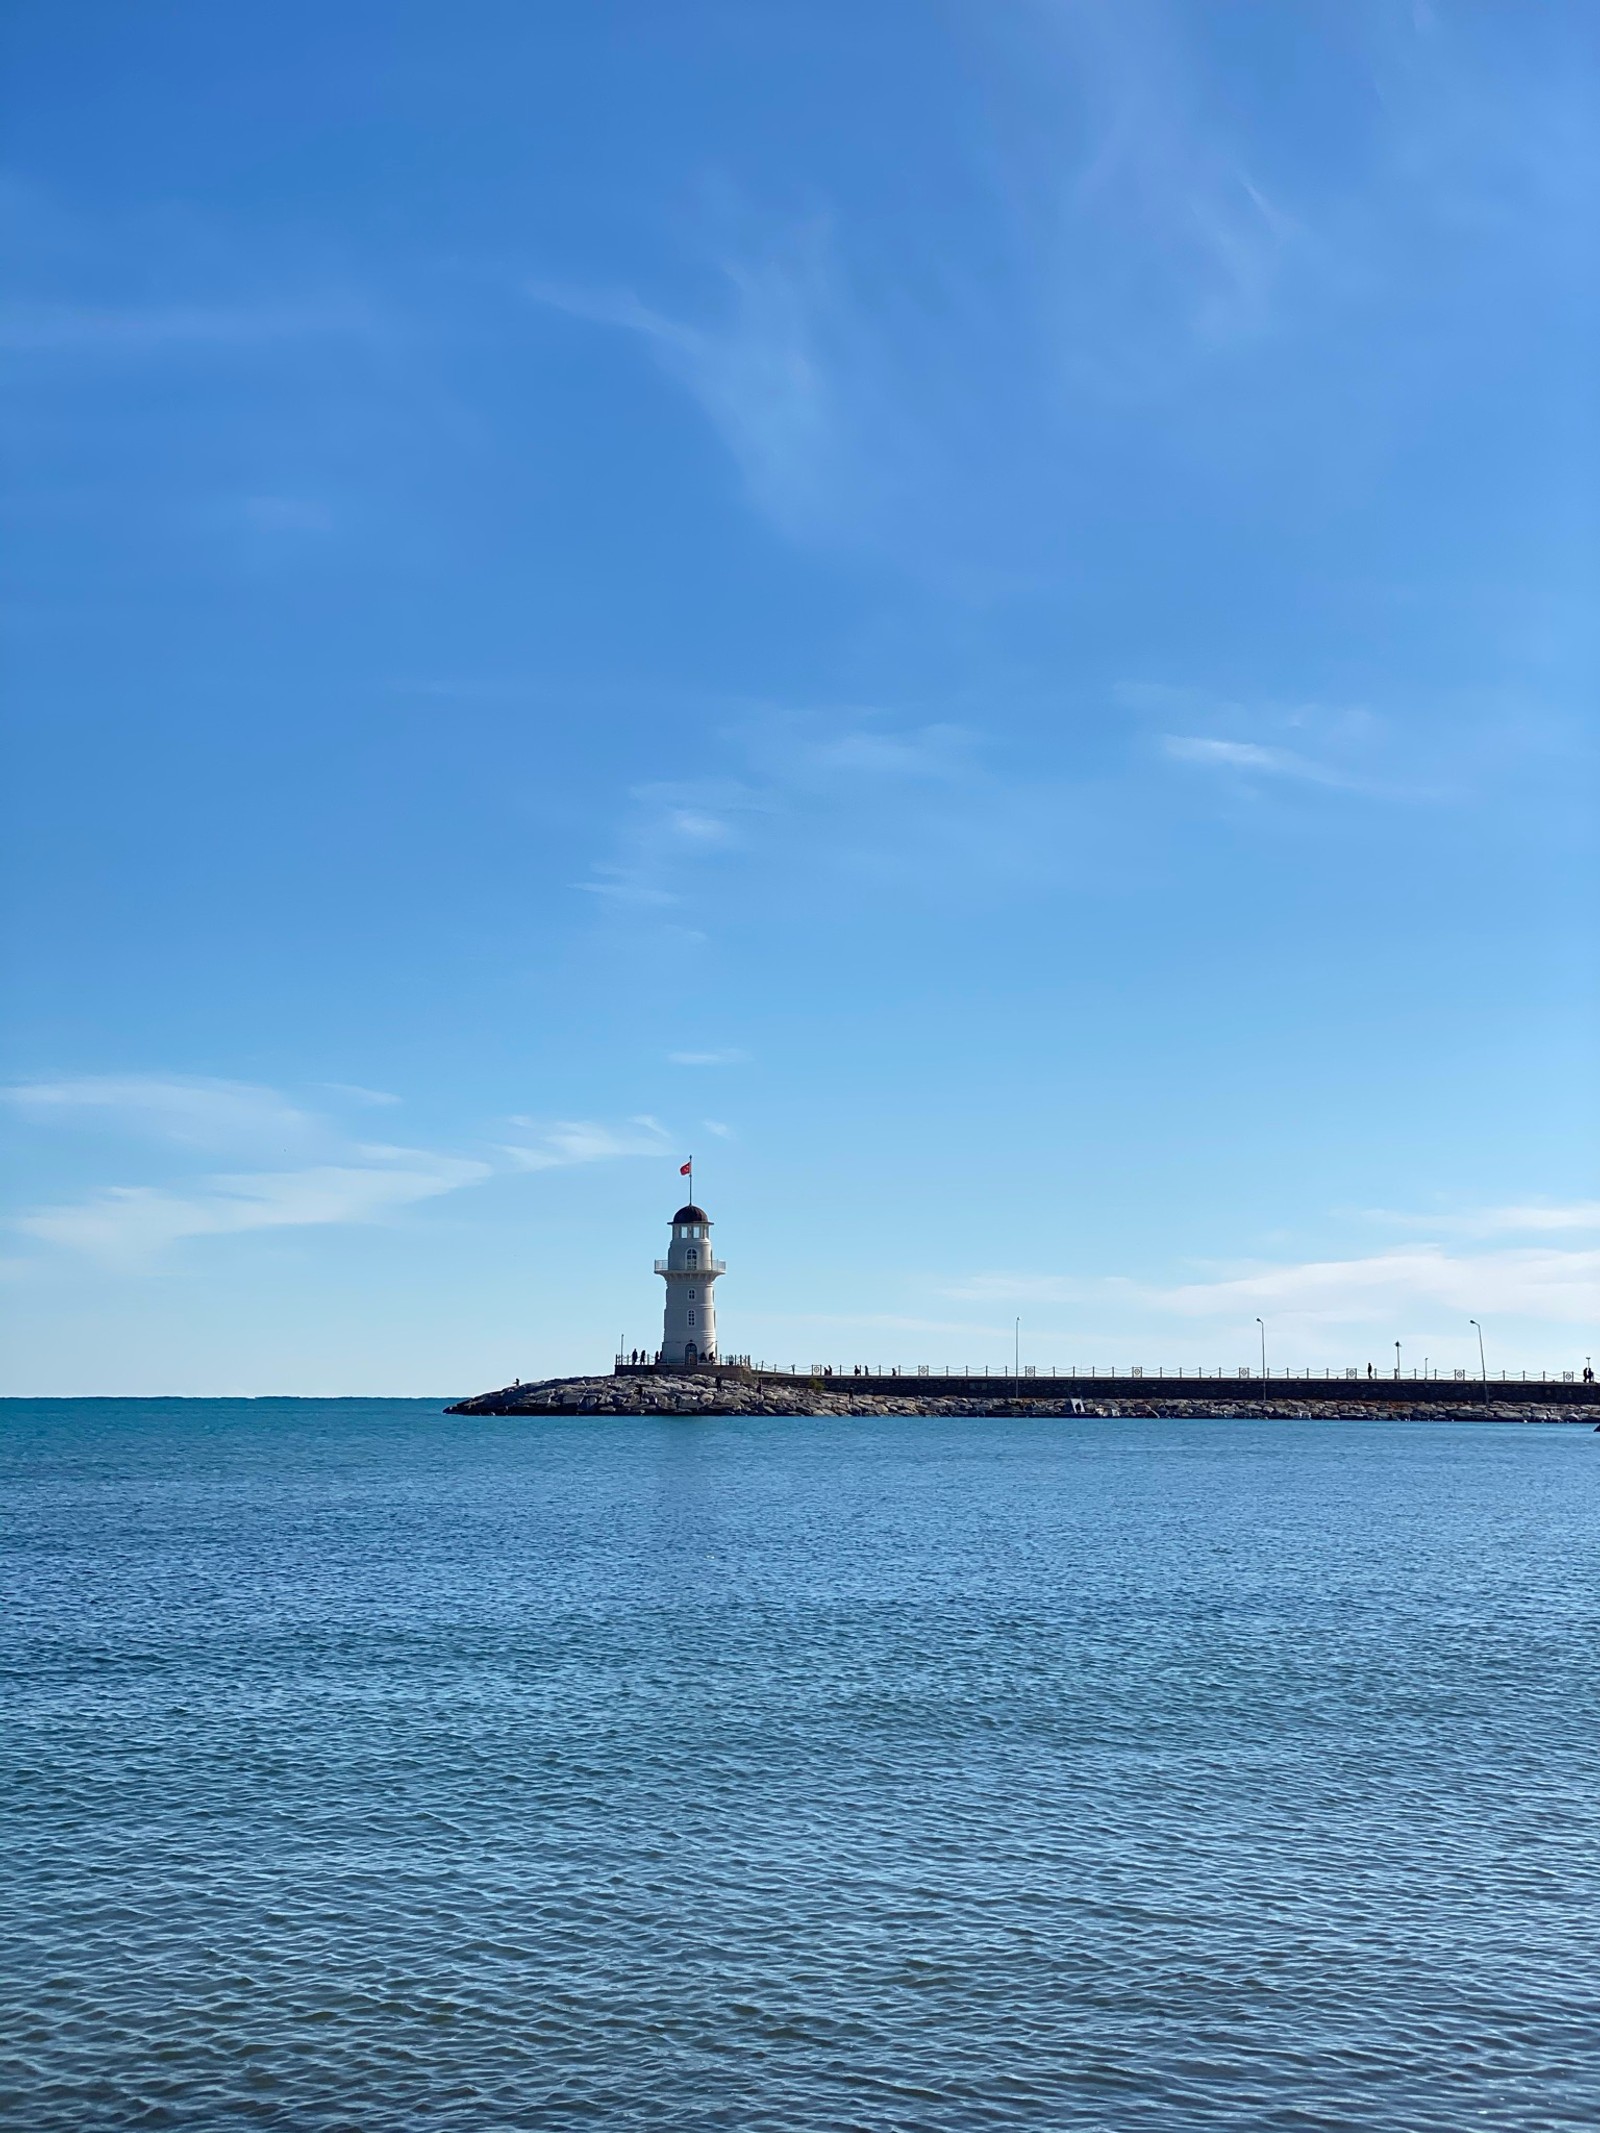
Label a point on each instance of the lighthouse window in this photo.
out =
(694, 1256)
(691, 1318)
(691, 1295)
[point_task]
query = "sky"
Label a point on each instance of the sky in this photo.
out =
(979, 616)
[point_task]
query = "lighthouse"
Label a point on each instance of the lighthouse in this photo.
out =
(689, 1332)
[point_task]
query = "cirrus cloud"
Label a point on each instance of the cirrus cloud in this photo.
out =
(1537, 1282)
(571, 1141)
(194, 1110)
(1248, 756)
(131, 1224)
(336, 1180)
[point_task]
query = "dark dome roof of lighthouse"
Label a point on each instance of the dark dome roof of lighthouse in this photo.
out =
(691, 1214)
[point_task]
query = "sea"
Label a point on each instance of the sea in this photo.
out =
(369, 1768)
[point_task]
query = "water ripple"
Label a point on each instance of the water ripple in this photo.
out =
(368, 1770)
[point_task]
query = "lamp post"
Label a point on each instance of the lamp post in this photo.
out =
(1483, 1368)
(1261, 1322)
(1016, 1358)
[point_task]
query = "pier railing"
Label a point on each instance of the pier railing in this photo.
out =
(1137, 1381)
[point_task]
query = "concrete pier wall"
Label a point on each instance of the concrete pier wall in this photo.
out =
(997, 1385)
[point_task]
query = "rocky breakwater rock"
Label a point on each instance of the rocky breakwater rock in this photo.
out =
(692, 1395)
(611, 1396)
(697, 1395)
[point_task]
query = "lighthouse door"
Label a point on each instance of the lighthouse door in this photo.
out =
(691, 1353)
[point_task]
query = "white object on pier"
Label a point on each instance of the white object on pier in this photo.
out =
(689, 1326)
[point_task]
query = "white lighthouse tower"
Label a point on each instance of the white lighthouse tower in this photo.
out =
(689, 1332)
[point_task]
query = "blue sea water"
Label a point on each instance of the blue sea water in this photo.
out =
(367, 1768)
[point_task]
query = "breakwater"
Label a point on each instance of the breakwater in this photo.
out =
(733, 1390)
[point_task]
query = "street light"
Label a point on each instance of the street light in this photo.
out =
(1016, 1357)
(1261, 1322)
(1397, 1362)
(1483, 1368)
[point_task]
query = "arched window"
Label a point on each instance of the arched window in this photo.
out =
(691, 1318)
(694, 1256)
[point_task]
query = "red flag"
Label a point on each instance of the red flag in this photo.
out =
(686, 1170)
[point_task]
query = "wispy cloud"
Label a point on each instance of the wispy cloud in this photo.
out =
(1346, 748)
(349, 1181)
(356, 1093)
(129, 1226)
(860, 750)
(191, 1111)
(571, 1141)
(855, 797)
(1250, 757)
(758, 371)
(669, 828)
(1533, 1283)
(624, 889)
(1529, 1219)
(1160, 241)
(901, 387)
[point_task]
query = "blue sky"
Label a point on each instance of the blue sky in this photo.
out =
(974, 614)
